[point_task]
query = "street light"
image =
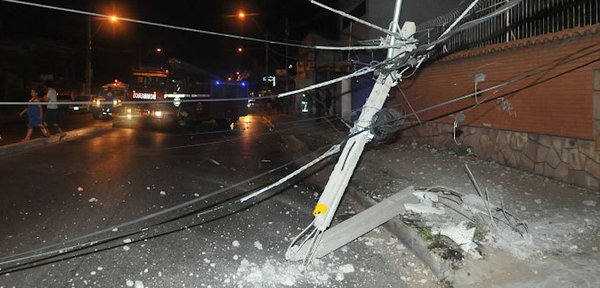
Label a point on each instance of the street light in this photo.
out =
(89, 73)
(158, 50)
(240, 49)
(241, 15)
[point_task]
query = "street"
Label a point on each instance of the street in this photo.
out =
(68, 189)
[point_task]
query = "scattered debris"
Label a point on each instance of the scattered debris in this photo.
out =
(590, 203)
(425, 204)
(468, 220)
(80, 189)
(92, 200)
(462, 236)
(276, 274)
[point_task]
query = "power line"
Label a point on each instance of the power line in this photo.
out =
(58, 250)
(195, 30)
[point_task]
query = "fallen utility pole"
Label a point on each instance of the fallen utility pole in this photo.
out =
(338, 180)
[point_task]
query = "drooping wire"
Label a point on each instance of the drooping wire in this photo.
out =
(40, 252)
(194, 30)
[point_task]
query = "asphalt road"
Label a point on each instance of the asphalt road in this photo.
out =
(128, 173)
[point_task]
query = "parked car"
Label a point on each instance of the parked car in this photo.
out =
(63, 98)
(83, 107)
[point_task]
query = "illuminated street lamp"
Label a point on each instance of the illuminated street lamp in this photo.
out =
(241, 15)
(89, 73)
(158, 50)
(240, 49)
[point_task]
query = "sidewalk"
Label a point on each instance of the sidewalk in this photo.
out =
(17, 147)
(560, 250)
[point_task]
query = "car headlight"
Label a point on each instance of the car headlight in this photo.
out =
(128, 110)
(158, 114)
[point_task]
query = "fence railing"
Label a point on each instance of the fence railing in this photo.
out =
(527, 19)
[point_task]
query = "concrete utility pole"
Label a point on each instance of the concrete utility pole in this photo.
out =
(338, 180)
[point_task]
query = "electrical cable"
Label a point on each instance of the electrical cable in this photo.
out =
(39, 252)
(48, 254)
(356, 19)
(362, 71)
(152, 215)
(515, 79)
(194, 30)
(509, 5)
(79, 246)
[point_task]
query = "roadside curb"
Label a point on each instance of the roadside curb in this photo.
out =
(407, 235)
(40, 142)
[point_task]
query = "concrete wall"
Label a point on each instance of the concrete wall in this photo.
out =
(574, 161)
(547, 122)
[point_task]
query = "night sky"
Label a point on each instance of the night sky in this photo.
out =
(117, 47)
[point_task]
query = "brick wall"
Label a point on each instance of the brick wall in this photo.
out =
(547, 122)
(555, 101)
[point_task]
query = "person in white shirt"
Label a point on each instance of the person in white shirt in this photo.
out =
(51, 116)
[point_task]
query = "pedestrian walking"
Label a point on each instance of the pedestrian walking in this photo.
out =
(51, 116)
(34, 114)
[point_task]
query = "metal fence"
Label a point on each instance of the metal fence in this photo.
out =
(527, 19)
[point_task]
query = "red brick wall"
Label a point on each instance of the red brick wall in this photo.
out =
(557, 101)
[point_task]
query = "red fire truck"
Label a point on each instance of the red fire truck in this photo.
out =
(184, 94)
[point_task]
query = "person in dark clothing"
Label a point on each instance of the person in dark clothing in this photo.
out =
(34, 114)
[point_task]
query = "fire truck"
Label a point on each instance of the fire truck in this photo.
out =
(184, 94)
